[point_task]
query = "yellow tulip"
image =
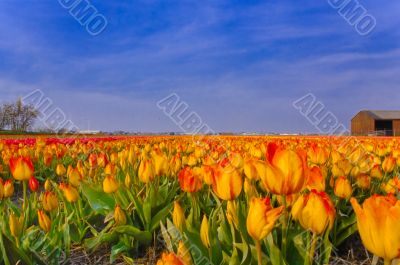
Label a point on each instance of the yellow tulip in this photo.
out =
(388, 164)
(286, 173)
(261, 218)
(204, 232)
(49, 201)
(146, 171)
(227, 182)
(110, 184)
(60, 170)
(343, 188)
(70, 193)
(119, 216)
(178, 216)
(378, 224)
(315, 211)
(21, 168)
(47, 185)
(8, 188)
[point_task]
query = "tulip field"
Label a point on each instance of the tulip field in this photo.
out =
(199, 199)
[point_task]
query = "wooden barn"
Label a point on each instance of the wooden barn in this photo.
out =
(372, 122)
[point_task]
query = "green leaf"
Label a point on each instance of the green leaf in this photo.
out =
(275, 253)
(143, 237)
(160, 216)
(117, 250)
(14, 254)
(99, 201)
(346, 234)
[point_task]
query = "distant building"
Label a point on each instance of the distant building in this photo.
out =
(376, 122)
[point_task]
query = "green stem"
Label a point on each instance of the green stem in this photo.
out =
(312, 248)
(3, 250)
(25, 205)
(259, 252)
(284, 227)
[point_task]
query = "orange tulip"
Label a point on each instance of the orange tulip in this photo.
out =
(170, 259)
(315, 211)
(189, 181)
(378, 224)
(261, 218)
(21, 168)
(316, 180)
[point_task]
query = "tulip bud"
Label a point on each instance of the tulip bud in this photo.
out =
(261, 218)
(119, 216)
(388, 164)
(15, 224)
(47, 185)
(184, 254)
(343, 188)
(74, 177)
(146, 171)
(204, 232)
(21, 168)
(8, 188)
(231, 213)
(110, 184)
(128, 181)
(70, 193)
(178, 216)
(363, 181)
(33, 184)
(44, 221)
(376, 172)
(60, 170)
(49, 201)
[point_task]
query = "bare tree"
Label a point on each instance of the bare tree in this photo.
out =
(17, 116)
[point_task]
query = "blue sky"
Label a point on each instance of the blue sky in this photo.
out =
(238, 64)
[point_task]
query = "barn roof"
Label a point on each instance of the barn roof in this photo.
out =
(384, 114)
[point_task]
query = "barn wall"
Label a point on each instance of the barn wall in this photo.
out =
(396, 127)
(362, 124)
